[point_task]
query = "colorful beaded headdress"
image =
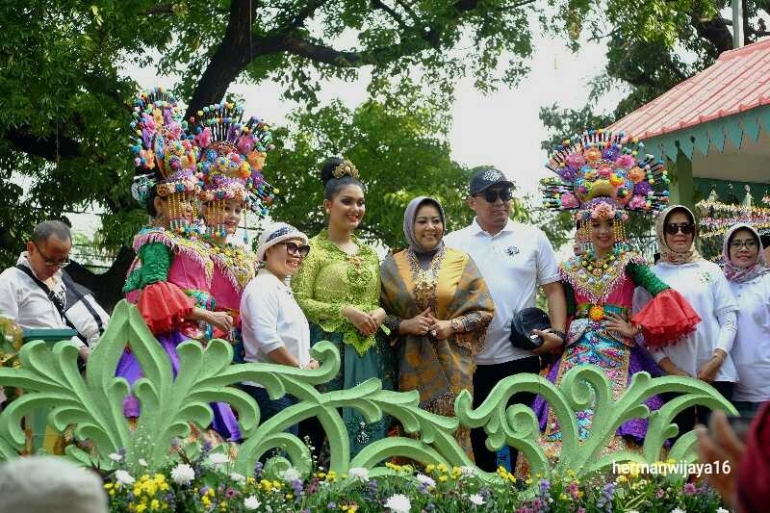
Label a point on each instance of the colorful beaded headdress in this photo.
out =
(164, 154)
(231, 158)
(604, 175)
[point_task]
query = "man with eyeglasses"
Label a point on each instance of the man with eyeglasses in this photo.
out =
(514, 259)
(33, 293)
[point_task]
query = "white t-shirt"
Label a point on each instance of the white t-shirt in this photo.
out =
(513, 263)
(751, 351)
(270, 319)
(25, 303)
(704, 285)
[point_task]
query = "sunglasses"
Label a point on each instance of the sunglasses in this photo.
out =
(295, 249)
(50, 262)
(492, 195)
(674, 228)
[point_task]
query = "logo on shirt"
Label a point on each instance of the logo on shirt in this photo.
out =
(511, 251)
(705, 277)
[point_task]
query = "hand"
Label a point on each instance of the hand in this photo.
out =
(85, 352)
(617, 323)
(419, 325)
(708, 371)
(724, 446)
(671, 369)
(441, 330)
(312, 364)
(221, 320)
(378, 315)
(361, 320)
(550, 341)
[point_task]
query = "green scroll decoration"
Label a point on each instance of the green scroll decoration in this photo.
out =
(93, 405)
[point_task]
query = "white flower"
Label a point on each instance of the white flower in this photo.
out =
(291, 474)
(116, 456)
(426, 480)
(399, 504)
(359, 473)
(678, 510)
(217, 458)
(476, 499)
(124, 477)
(467, 471)
(143, 462)
(251, 502)
(182, 474)
(722, 510)
(238, 478)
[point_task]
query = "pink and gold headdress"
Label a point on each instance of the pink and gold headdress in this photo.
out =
(602, 175)
(232, 153)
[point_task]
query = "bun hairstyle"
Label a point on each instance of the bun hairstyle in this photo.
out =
(337, 173)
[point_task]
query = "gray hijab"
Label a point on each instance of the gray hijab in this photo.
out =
(409, 217)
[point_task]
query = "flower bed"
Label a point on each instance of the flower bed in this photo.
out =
(209, 484)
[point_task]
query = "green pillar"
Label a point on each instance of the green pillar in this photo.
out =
(682, 186)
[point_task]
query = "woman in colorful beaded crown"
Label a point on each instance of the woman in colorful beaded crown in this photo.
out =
(338, 288)
(604, 177)
(170, 279)
(231, 157)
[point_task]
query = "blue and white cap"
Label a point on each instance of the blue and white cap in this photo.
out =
(275, 234)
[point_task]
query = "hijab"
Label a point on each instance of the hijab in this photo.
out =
(409, 218)
(666, 253)
(738, 274)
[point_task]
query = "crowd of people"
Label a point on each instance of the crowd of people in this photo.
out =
(437, 316)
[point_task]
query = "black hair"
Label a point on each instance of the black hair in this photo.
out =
(47, 229)
(332, 185)
(150, 203)
(745, 229)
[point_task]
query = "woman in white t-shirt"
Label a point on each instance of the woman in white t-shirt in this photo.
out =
(704, 353)
(274, 328)
(749, 279)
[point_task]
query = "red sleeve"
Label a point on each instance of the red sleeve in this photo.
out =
(164, 306)
(666, 319)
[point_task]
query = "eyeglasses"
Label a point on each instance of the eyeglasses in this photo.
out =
(491, 195)
(748, 244)
(295, 249)
(50, 262)
(674, 228)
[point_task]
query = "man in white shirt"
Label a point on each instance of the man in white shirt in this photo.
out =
(33, 294)
(514, 260)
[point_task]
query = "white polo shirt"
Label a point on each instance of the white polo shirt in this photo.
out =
(25, 303)
(751, 351)
(513, 263)
(270, 319)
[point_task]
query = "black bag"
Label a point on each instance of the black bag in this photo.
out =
(524, 321)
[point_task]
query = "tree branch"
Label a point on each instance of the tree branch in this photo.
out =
(715, 31)
(160, 9)
(379, 4)
(49, 147)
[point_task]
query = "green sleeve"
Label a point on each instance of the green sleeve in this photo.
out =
(643, 277)
(569, 295)
(156, 261)
(326, 315)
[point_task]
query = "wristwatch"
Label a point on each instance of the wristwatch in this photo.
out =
(561, 335)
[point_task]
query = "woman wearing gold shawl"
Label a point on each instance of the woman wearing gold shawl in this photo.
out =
(438, 310)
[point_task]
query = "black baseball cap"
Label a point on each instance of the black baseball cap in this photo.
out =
(765, 239)
(487, 177)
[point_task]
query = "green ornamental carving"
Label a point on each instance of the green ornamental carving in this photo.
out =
(92, 406)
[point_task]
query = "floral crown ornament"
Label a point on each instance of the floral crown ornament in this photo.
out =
(345, 168)
(165, 155)
(232, 154)
(604, 175)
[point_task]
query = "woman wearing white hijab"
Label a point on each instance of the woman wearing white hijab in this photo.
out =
(704, 353)
(749, 277)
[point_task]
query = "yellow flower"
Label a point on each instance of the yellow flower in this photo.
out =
(276, 484)
(140, 508)
(289, 496)
(430, 468)
(206, 501)
(442, 467)
(622, 479)
(211, 492)
(112, 493)
(442, 478)
(108, 486)
(155, 504)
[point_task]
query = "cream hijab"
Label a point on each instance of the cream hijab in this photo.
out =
(666, 253)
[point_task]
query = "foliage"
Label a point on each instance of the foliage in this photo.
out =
(398, 146)
(209, 483)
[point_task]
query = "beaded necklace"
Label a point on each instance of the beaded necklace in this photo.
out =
(425, 280)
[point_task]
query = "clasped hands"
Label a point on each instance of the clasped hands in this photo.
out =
(425, 323)
(366, 323)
